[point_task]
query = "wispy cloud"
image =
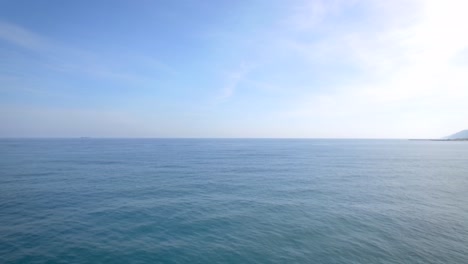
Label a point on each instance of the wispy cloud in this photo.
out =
(307, 15)
(405, 57)
(22, 37)
(233, 79)
(65, 58)
(407, 75)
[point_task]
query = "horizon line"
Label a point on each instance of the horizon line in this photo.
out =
(90, 137)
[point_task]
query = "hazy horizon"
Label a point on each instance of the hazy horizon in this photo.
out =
(357, 69)
(214, 138)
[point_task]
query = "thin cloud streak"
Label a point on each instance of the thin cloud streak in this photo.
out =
(63, 58)
(234, 79)
(22, 37)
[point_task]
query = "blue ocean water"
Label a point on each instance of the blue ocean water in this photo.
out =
(233, 201)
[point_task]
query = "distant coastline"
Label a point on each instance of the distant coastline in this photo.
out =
(460, 136)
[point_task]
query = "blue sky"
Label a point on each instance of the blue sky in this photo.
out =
(326, 69)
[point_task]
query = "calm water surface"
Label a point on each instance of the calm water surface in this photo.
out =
(233, 201)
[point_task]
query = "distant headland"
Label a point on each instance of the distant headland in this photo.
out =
(460, 136)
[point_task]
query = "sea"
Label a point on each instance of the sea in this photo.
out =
(89, 200)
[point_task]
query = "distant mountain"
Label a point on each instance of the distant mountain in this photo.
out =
(460, 135)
